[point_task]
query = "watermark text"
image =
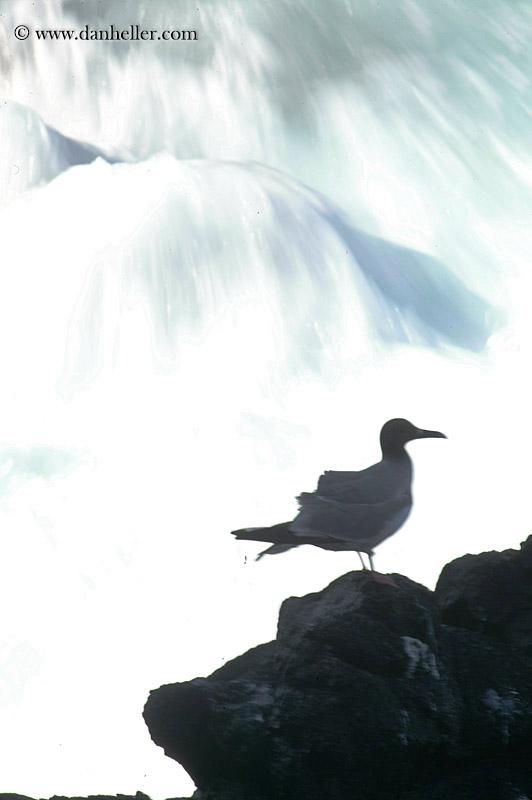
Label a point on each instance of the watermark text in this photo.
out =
(133, 33)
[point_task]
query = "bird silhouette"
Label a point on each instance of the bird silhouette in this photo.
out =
(352, 510)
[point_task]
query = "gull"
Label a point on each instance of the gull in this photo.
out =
(352, 510)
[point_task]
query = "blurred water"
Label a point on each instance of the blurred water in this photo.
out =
(406, 113)
(224, 264)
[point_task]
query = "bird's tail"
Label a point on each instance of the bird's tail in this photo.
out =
(277, 534)
(274, 549)
(280, 535)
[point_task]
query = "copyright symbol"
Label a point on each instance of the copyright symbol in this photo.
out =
(22, 31)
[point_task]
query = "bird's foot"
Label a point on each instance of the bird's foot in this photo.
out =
(378, 577)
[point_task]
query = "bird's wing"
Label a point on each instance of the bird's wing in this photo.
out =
(376, 484)
(321, 518)
(337, 484)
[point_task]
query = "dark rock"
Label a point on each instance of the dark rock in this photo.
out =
(138, 796)
(491, 594)
(371, 692)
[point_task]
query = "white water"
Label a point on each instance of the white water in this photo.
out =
(302, 224)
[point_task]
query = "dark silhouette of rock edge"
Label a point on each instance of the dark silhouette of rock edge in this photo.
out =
(371, 691)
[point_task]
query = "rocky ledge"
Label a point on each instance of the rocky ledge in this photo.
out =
(371, 691)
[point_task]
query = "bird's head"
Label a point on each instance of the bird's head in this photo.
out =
(397, 432)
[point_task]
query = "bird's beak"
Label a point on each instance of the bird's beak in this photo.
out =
(422, 434)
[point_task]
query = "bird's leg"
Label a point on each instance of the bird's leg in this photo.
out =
(362, 560)
(377, 577)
